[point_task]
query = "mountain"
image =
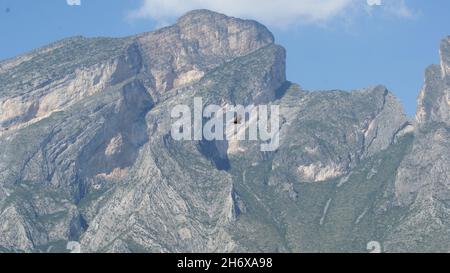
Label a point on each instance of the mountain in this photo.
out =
(87, 155)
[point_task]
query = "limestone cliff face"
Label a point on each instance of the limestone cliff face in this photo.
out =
(86, 152)
(55, 77)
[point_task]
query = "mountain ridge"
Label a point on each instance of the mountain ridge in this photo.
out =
(86, 153)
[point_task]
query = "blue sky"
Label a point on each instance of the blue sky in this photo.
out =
(336, 44)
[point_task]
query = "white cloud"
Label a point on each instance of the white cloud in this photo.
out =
(73, 2)
(270, 12)
(374, 2)
(280, 12)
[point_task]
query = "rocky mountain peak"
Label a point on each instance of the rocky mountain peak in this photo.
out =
(434, 99)
(222, 23)
(445, 56)
(200, 41)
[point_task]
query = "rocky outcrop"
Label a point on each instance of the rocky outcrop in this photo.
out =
(422, 181)
(327, 134)
(198, 42)
(434, 99)
(431, 143)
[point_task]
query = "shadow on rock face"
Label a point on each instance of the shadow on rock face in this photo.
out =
(215, 151)
(116, 146)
